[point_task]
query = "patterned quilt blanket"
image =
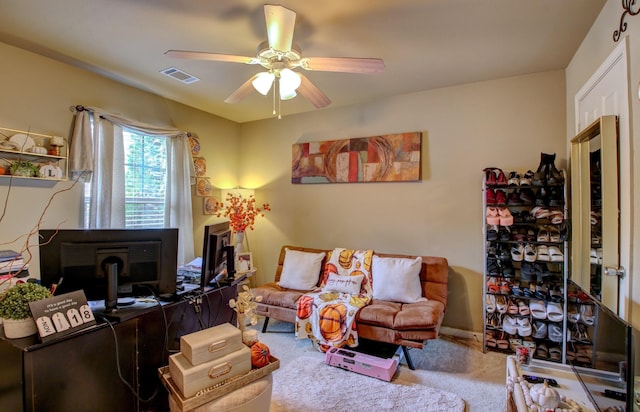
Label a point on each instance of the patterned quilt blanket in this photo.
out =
(327, 315)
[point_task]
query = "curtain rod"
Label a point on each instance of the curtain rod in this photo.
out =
(80, 108)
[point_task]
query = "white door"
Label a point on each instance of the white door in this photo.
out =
(607, 93)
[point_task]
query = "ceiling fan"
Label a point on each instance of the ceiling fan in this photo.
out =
(281, 57)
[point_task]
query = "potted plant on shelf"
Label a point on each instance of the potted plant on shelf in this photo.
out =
(23, 168)
(15, 311)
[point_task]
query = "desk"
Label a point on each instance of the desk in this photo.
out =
(80, 371)
(568, 384)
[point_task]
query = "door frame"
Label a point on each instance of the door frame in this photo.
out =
(618, 59)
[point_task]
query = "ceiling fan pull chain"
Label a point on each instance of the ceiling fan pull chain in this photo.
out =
(279, 109)
(274, 101)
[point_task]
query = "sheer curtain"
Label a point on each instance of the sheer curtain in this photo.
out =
(97, 156)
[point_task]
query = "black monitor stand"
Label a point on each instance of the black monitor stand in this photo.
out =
(111, 301)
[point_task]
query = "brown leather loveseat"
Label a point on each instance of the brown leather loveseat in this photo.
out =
(409, 325)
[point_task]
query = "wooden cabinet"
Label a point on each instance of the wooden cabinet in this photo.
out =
(106, 367)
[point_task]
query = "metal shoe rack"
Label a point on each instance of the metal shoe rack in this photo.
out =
(525, 292)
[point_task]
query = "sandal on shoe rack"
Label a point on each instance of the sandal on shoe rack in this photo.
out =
(502, 342)
(493, 286)
(554, 332)
(555, 312)
(523, 308)
(539, 329)
(514, 343)
(501, 304)
(554, 234)
(541, 352)
(556, 294)
(555, 353)
(490, 340)
(586, 315)
(571, 353)
(523, 326)
(542, 253)
(544, 235)
(538, 309)
(512, 307)
(493, 320)
(490, 302)
(509, 325)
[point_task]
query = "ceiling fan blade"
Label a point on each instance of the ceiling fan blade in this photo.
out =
(343, 64)
(280, 25)
(310, 92)
(241, 92)
(196, 55)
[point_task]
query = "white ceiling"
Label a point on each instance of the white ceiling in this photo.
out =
(425, 44)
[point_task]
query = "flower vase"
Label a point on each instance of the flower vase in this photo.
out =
(241, 318)
(239, 242)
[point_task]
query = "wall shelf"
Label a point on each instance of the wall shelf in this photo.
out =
(51, 166)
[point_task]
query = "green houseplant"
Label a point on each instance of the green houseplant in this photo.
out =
(15, 311)
(23, 168)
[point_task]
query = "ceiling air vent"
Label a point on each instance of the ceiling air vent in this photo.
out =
(178, 74)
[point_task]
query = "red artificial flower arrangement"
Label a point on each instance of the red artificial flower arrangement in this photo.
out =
(241, 212)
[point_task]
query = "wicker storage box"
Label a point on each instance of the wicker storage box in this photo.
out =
(192, 378)
(212, 343)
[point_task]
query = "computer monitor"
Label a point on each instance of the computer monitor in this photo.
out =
(101, 262)
(217, 254)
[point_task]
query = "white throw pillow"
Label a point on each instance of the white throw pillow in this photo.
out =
(397, 279)
(343, 284)
(300, 270)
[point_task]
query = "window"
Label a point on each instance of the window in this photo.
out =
(145, 171)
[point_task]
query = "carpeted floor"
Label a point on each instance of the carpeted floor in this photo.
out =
(308, 384)
(449, 364)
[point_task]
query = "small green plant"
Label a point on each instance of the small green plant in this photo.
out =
(14, 303)
(23, 168)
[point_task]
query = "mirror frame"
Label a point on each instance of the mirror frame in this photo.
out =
(606, 127)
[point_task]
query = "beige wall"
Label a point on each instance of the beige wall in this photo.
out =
(37, 93)
(594, 50)
(504, 123)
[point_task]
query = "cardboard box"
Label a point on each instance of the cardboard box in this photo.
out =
(212, 343)
(191, 378)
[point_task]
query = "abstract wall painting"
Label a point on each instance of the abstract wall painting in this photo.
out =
(385, 158)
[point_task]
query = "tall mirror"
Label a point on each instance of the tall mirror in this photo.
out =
(595, 227)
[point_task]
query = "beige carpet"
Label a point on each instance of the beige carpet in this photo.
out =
(308, 384)
(449, 364)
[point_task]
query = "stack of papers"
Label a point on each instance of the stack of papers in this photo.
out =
(11, 262)
(191, 271)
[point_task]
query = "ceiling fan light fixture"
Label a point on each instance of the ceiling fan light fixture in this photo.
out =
(287, 94)
(289, 82)
(263, 81)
